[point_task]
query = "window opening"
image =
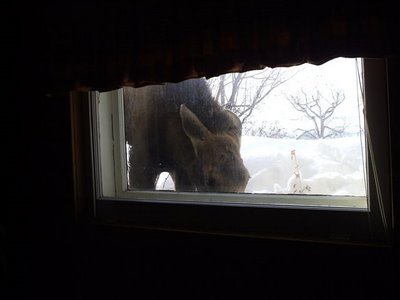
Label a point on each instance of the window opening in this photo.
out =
(292, 207)
(302, 133)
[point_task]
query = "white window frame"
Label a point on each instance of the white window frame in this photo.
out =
(114, 203)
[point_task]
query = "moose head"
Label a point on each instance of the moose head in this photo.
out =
(219, 165)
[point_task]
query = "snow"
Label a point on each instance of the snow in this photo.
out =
(326, 166)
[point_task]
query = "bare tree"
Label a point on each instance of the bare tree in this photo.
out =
(243, 92)
(320, 111)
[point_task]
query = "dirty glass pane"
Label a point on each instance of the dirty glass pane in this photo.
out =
(295, 130)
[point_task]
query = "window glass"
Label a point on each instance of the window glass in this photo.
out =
(287, 151)
(295, 130)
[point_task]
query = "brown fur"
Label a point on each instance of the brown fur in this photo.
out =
(180, 129)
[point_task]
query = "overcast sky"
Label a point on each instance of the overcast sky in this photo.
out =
(338, 74)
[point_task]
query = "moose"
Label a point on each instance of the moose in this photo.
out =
(180, 128)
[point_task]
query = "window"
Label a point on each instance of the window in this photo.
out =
(295, 160)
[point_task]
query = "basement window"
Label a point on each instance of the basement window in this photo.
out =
(300, 152)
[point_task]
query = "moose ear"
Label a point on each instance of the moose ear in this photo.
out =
(233, 126)
(192, 126)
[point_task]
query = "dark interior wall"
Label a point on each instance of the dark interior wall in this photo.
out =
(394, 108)
(225, 266)
(45, 255)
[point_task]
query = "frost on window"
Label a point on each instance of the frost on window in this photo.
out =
(296, 130)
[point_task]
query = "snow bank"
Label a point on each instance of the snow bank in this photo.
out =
(326, 167)
(329, 167)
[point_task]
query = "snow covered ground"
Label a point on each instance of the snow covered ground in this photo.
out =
(328, 167)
